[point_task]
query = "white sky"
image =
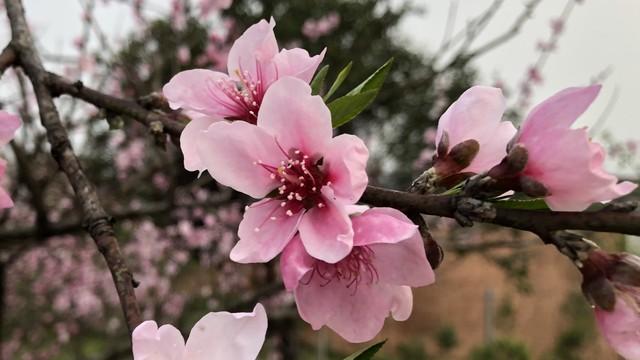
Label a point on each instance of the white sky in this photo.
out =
(599, 35)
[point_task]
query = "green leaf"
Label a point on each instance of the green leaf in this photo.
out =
(318, 81)
(342, 75)
(524, 204)
(375, 81)
(367, 353)
(349, 106)
(345, 108)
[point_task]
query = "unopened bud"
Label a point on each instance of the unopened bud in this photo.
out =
(517, 159)
(463, 153)
(443, 145)
(532, 187)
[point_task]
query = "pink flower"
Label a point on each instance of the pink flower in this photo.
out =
(565, 160)
(253, 64)
(476, 115)
(207, 6)
(313, 29)
(8, 126)
(218, 335)
(354, 296)
(621, 327)
(612, 283)
(291, 158)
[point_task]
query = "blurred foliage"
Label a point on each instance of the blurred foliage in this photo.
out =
(503, 349)
(580, 329)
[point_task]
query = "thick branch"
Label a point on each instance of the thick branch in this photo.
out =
(538, 222)
(96, 221)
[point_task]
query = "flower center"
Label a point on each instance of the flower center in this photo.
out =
(244, 96)
(301, 178)
(352, 270)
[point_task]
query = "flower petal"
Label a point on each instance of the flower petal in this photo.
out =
(295, 117)
(569, 165)
(402, 303)
(477, 115)
(356, 314)
(9, 123)
(415, 270)
(224, 335)
(620, 328)
(201, 91)
(274, 230)
(346, 159)
(560, 110)
(236, 154)
(382, 225)
(253, 53)
(151, 343)
(188, 140)
(297, 63)
(295, 263)
(326, 232)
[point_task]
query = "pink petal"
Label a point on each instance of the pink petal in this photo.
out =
(201, 91)
(149, 342)
(188, 140)
(620, 328)
(402, 303)
(415, 270)
(326, 232)
(346, 159)
(382, 225)
(295, 117)
(297, 63)
(477, 115)
(559, 111)
(274, 230)
(570, 166)
(224, 335)
(236, 153)
(253, 53)
(357, 315)
(295, 263)
(8, 125)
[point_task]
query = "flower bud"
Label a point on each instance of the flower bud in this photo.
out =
(512, 164)
(532, 187)
(611, 282)
(458, 158)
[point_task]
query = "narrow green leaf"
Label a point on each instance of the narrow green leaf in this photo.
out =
(342, 75)
(349, 106)
(375, 81)
(524, 204)
(318, 81)
(367, 353)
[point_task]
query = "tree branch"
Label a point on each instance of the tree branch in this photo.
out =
(96, 221)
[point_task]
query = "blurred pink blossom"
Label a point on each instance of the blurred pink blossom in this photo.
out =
(208, 6)
(313, 29)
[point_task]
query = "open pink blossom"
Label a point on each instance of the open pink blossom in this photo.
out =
(354, 296)
(565, 160)
(476, 115)
(253, 64)
(218, 335)
(8, 126)
(291, 158)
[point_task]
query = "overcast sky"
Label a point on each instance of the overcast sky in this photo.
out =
(599, 35)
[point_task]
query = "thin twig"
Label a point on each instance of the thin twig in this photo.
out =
(96, 221)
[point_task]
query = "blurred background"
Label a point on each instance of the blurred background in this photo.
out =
(500, 294)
